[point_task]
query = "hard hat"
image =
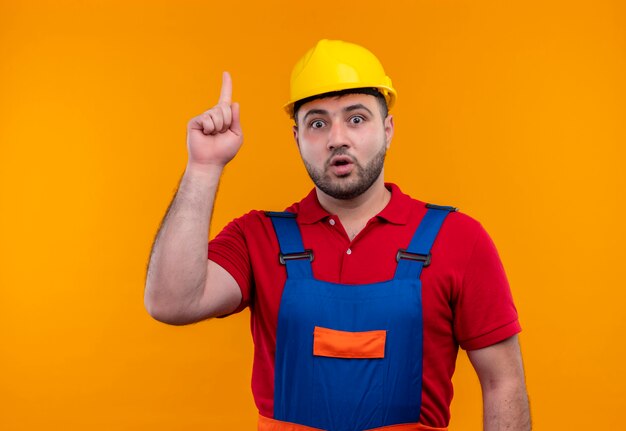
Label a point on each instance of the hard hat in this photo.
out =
(334, 65)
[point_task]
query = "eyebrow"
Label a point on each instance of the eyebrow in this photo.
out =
(314, 111)
(350, 108)
(356, 107)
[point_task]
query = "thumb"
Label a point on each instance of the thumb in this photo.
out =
(235, 125)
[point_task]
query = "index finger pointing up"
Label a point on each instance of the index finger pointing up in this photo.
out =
(227, 88)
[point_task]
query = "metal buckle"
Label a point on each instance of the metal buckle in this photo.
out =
(284, 214)
(442, 207)
(306, 254)
(403, 254)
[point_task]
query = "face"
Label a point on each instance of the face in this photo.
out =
(343, 141)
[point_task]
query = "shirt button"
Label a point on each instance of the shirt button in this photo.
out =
(332, 222)
(348, 251)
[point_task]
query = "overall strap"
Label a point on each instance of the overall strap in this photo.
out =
(416, 256)
(292, 254)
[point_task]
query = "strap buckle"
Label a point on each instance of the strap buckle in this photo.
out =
(281, 214)
(442, 207)
(306, 254)
(403, 254)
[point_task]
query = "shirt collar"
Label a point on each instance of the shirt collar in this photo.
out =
(310, 211)
(397, 210)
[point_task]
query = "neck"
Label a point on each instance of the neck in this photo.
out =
(360, 208)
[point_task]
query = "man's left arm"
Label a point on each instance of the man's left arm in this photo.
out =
(501, 374)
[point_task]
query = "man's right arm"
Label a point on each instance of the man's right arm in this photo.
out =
(182, 285)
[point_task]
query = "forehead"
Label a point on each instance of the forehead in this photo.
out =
(339, 103)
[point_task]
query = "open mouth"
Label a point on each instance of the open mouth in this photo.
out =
(341, 165)
(340, 161)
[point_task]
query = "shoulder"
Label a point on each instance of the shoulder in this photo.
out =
(462, 226)
(256, 221)
(457, 226)
(251, 219)
(459, 236)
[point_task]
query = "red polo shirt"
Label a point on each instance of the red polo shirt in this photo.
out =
(466, 296)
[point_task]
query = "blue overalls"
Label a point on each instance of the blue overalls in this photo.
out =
(349, 357)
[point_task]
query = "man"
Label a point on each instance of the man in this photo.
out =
(360, 295)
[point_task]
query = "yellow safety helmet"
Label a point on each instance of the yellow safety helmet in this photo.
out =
(334, 65)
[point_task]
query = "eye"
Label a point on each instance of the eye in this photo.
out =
(317, 124)
(357, 119)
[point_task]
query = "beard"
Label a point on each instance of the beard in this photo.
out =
(348, 188)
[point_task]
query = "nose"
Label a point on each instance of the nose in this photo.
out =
(338, 136)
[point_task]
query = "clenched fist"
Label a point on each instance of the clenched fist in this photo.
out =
(214, 137)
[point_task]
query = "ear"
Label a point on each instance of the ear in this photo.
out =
(295, 135)
(388, 130)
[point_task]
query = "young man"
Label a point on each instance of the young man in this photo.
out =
(360, 295)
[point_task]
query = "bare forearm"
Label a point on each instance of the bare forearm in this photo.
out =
(506, 408)
(501, 374)
(178, 263)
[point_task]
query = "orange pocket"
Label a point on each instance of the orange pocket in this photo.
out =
(343, 344)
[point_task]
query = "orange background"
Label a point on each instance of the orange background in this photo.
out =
(513, 111)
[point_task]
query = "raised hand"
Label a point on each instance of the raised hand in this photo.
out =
(215, 136)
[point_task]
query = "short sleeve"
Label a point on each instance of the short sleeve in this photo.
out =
(484, 313)
(229, 250)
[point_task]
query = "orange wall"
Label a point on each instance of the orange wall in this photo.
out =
(513, 111)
